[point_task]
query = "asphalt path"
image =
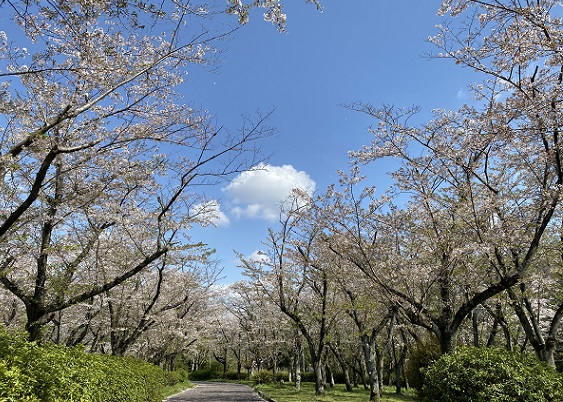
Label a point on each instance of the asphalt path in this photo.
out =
(217, 392)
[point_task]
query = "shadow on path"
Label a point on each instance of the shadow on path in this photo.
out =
(217, 392)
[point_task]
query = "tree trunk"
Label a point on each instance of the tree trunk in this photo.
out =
(399, 366)
(475, 327)
(36, 319)
(329, 375)
(379, 358)
(335, 349)
(447, 340)
(371, 365)
(297, 353)
(319, 378)
(355, 372)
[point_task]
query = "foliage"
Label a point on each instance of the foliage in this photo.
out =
(492, 375)
(175, 377)
(273, 13)
(262, 377)
(204, 375)
(338, 393)
(100, 153)
(423, 354)
(282, 376)
(234, 376)
(307, 376)
(52, 373)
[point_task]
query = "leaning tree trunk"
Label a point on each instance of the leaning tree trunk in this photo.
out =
(335, 349)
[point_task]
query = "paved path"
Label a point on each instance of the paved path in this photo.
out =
(217, 392)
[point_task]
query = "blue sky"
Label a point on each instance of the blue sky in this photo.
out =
(355, 50)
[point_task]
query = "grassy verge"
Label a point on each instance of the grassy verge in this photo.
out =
(175, 389)
(307, 394)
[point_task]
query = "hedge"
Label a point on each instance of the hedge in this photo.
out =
(52, 373)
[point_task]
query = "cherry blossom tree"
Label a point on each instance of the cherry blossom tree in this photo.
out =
(274, 10)
(537, 302)
(97, 151)
(168, 298)
(485, 181)
(293, 277)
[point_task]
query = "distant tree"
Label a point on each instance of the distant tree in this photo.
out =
(263, 329)
(158, 303)
(293, 276)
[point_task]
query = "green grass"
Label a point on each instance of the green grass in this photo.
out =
(175, 389)
(307, 394)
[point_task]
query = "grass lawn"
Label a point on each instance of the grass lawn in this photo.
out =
(338, 393)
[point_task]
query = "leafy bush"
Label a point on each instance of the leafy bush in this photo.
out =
(175, 377)
(308, 376)
(282, 376)
(491, 375)
(52, 373)
(204, 375)
(262, 377)
(171, 378)
(339, 377)
(183, 374)
(15, 384)
(422, 355)
(233, 375)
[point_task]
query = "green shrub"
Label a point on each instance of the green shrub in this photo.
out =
(171, 378)
(424, 353)
(16, 385)
(183, 374)
(234, 376)
(308, 376)
(339, 377)
(262, 377)
(52, 373)
(282, 375)
(490, 375)
(175, 377)
(204, 375)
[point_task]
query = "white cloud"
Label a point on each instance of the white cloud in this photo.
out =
(260, 192)
(257, 256)
(209, 213)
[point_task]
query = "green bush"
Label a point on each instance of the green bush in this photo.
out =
(16, 385)
(52, 373)
(282, 376)
(204, 375)
(234, 376)
(262, 377)
(424, 353)
(308, 376)
(490, 375)
(183, 374)
(171, 378)
(175, 377)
